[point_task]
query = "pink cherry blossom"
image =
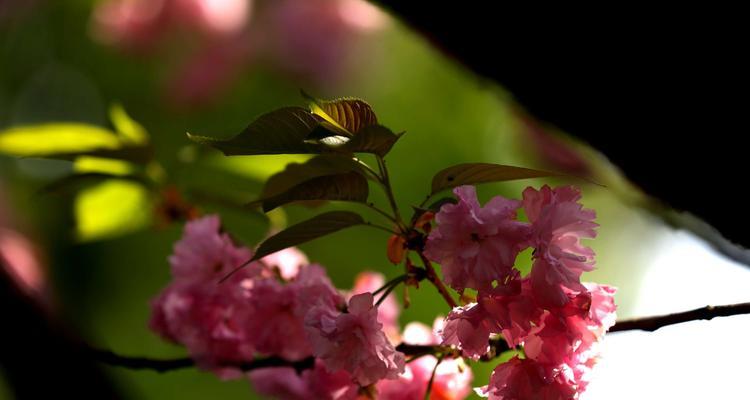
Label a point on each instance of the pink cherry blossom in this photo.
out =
(452, 381)
(274, 321)
(204, 253)
(208, 322)
(476, 245)
(313, 288)
(603, 308)
(353, 341)
(567, 338)
(197, 312)
(513, 308)
(222, 324)
(284, 383)
(388, 310)
(452, 378)
(558, 223)
(526, 379)
(277, 311)
(288, 262)
(469, 328)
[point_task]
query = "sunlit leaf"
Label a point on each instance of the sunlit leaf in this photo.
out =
(348, 114)
(56, 138)
(130, 131)
(313, 228)
(475, 173)
(279, 132)
(325, 177)
(111, 208)
(68, 140)
(85, 164)
(258, 168)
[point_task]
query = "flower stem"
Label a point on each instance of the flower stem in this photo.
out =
(393, 282)
(381, 227)
(432, 377)
(435, 280)
(386, 180)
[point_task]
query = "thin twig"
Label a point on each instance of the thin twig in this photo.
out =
(432, 377)
(385, 294)
(653, 323)
(389, 192)
(435, 280)
(110, 358)
(381, 212)
(369, 169)
(165, 365)
(381, 227)
(426, 199)
(392, 282)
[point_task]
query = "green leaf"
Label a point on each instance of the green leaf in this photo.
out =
(295, 173)
(258, 168)
(131, 132)
(111, 208)
(375, 139)
(88, 164)
(69, 140)
(325, 177)
(344, 187)
(475, 173)
(303, 232)
(52, 139)
(349, 114)
(279, 132)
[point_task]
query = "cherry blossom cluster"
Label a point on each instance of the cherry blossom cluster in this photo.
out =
(557, 319)
(286, 308)
(283, 306)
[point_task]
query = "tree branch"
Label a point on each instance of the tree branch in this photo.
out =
(653, 323)
(497, 346)
(166, 365)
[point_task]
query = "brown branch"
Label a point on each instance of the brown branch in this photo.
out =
(166, 365)
(158, 365)
(653, 323)
(497, 346)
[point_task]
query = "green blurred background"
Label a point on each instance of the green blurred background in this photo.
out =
(52, 71)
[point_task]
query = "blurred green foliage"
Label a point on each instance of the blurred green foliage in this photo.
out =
(52, 72)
